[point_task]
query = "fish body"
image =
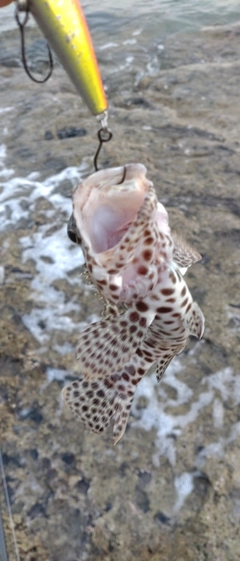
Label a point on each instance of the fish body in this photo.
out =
(153, 312)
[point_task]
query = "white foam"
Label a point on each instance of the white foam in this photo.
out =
(137, 32)
(2, 274)
(169, 426)
(5, 110)
(108, 46)
(218, 413)
(16, 190)
(53, 254)
(130, 41)
(4, 172)
(235, 432)
(64, 348)
(226, 382)
(55, 374)
(63, 256)
(234, 315)
(184, 486)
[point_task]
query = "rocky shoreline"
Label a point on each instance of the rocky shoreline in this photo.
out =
(75, 497)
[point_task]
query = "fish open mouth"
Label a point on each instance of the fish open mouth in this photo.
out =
(107, 206)
(109, 225)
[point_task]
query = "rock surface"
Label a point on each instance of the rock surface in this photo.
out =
(171, 492)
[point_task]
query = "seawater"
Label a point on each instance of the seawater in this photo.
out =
(156, 16)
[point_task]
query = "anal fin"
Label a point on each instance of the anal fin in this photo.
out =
(162, 365)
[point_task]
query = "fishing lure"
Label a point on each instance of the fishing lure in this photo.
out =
(65, 27)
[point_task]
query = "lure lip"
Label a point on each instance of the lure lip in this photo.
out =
(64, 26)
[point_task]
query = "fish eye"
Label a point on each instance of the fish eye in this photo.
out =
(72, 236)
(71, 231)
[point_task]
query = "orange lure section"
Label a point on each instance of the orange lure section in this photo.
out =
(64, 26)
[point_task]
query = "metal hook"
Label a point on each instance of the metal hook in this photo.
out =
(124, 175)
(108, 135)
(105, 131)
(21, 25)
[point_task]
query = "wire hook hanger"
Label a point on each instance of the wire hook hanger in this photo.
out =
(23, 6)
(104, 135)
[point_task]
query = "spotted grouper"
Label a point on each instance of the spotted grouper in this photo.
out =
(137, 265)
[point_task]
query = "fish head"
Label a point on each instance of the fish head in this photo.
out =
(106, 203)
(117, 217)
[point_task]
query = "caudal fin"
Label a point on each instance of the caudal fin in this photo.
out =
(98, 402)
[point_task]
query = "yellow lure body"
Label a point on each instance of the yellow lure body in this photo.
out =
(64, 26)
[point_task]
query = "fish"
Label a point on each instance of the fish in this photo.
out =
(137, 265)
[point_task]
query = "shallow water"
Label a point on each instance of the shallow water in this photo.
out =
(174, 106)
(156, 16)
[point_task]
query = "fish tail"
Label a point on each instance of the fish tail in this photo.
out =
(98, 402)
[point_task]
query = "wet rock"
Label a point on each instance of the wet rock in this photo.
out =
(82, 486)
(142, 500)
(161, 517)
(36, 511)
(73, 495)
(33, 414)
(34, 454)
(70, 132)
(48, 135)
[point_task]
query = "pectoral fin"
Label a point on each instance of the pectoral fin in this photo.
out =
(195, 322)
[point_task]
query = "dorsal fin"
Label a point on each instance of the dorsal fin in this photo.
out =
(184, 254)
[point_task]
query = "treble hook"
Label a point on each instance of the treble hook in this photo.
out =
(21, 25)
